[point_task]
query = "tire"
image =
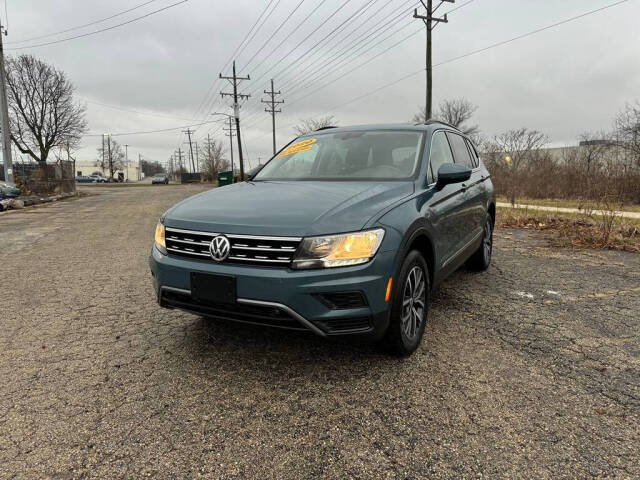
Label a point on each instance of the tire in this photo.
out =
(481, 259)
(409, 307)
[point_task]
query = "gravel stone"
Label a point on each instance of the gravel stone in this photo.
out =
(530, 370)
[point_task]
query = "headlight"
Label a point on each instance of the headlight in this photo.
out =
(338, 250)
(159, 238)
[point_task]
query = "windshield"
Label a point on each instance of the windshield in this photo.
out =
(361, 155)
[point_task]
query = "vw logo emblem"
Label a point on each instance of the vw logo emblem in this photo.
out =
(219, 248)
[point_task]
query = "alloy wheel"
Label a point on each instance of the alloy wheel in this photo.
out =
(487, 241)
(413, 302)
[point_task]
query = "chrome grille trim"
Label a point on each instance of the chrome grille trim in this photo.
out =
(245, 249)
(187, 251)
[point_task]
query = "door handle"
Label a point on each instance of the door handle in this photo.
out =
(464, 187)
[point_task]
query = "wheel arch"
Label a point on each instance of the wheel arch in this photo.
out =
(419, 238)
(492, 211)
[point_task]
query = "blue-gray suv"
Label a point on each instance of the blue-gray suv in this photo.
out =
(345, 231)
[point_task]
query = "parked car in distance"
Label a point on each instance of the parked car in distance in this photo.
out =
(9, 190)
(99, 178)
(160, 178)
(345, 232)
(85, 179)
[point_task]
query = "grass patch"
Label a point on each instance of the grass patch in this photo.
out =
(563, 203)
(576, 229)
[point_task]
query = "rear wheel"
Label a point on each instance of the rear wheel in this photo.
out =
(409, 308)
(481, 259)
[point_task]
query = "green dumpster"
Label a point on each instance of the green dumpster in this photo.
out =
(225, 178)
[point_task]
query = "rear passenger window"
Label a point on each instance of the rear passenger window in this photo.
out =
(474, 153)
(460, 150)
(440, 154)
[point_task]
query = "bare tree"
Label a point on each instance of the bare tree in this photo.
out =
(513, 152)
(456, 112)
(312, 124)
(628, 129)
(43, 115)
(113, 155)
(212, 162)
(594, 150)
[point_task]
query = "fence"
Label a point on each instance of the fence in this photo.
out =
(52, 178)
(186, 177)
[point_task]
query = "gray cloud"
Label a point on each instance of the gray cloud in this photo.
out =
(562, 81)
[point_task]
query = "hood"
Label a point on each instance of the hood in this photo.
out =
(281, 208)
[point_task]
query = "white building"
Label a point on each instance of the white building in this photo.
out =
(129, 173)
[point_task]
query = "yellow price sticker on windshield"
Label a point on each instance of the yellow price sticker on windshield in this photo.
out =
(302, 146)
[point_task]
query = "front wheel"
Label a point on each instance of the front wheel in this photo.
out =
(409, 308)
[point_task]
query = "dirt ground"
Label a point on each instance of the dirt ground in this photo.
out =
(530, 370)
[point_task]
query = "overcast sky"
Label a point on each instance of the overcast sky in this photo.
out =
(562, 81)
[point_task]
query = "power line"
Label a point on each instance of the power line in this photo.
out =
(145, 132)
(102, 29)
(231, 57)
(351, 52)
(304, 40)
(261, 25)
(327, 35)
(471, 53)
(137, 112)
(278, 29)
(475, 52)
(287, 37)
(354, 43)
(373, 30)
(82, 26)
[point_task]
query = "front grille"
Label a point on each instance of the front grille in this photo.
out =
(343, 300)
(255, 314)
(245, 249)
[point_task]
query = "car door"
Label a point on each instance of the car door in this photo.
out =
(445, 208)
(472, 218)
(478, 187)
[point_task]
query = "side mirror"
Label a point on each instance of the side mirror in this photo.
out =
(452, 173)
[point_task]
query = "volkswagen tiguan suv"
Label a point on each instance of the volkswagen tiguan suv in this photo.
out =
(345, 231)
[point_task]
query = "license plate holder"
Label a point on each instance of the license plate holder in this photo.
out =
(207, 287)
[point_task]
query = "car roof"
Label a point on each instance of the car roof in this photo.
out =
(419, 127)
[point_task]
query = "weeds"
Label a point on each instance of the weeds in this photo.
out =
(606, 230)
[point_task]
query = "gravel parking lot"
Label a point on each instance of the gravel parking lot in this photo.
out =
(531, 370)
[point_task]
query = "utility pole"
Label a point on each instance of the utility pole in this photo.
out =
(4, 112)
(189, 132)
(179, 154)
(126, 159)
(208, 146)
(236, 110)
(430, 22)
(272, 110)
(230, 133)
(102, 166)
(110, 159)
(139, 166)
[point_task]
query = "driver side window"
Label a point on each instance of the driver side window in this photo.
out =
(439, 154)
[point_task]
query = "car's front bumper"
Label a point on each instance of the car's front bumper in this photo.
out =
(283, 297)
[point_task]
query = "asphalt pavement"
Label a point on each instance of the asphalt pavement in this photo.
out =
(530, 370)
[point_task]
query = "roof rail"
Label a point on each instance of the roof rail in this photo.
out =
(432, 121)
(325, 128)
